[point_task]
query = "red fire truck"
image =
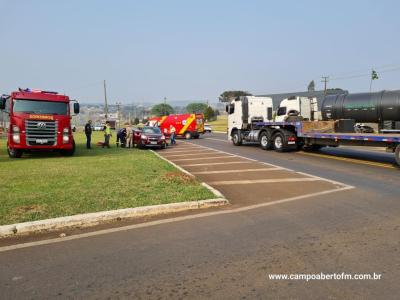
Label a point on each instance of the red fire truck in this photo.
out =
(186, 125)
(38, 121)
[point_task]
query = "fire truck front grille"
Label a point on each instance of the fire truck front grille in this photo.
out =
(41, 133)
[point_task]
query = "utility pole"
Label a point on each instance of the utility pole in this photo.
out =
(105, 101)
(119, 114)
(325, 80)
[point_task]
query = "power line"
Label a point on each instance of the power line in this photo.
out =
(380, 70)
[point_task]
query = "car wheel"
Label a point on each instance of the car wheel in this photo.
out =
(397, 154)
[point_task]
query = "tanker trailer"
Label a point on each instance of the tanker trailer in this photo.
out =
(380, 107)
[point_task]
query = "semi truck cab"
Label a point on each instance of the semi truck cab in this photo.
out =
(38, 121)
(304, 107)
(246, 110)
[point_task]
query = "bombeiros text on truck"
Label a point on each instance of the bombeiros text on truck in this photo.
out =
(304, 123)
(38, 121)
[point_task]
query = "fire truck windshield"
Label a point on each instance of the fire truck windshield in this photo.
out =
(40, 107)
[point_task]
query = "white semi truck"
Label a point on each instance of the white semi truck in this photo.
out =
(298, 124)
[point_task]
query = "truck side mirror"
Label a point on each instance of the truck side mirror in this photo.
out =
(269, 113)
(230, 108)
(2, 103)
(76, 108)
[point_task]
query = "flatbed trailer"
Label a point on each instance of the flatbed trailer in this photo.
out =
(292, 136)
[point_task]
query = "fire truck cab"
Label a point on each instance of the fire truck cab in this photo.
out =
(38, 121)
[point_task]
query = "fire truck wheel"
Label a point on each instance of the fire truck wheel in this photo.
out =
(188, 135)
(14, 153)
(69, 152)
(265, 141)
(397, 154)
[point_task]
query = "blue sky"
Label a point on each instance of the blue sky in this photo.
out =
(194, 50)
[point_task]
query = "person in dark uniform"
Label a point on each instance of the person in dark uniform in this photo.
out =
(88, 132)
(121, 137)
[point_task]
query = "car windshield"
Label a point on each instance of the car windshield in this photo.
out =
(151, 130)
(40, 107)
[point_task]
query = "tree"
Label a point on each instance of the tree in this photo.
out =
(335, 91)
(136, 121)
(209, 114)
(162, 110)
(230, 95)
(198, 108)
(311, 86)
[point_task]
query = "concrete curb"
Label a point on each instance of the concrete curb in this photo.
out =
(91, 219)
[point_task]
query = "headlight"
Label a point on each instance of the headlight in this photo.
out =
(15, 129)
(65, 139)
(144, 137)
(16, 137)
(66, 130)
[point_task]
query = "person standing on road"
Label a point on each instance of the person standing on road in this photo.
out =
(172, 132)
(107, 135)
(88, 132)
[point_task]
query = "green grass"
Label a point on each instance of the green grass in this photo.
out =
(46, 185)
(221, 124)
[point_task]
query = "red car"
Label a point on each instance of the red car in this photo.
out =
(149, 137)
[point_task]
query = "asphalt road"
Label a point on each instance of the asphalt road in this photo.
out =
(231, 255)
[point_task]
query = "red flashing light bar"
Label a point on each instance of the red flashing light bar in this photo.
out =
(37, 91)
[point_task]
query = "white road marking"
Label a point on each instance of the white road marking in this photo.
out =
(191, 154)
(283, 168)
(225, 141)
(236, 171)
(217, 163)
(253, 181)
(211, 157)
(167, 221)
(184, 151)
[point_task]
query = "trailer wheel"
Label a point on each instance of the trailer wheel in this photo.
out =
(236, 138)
(14, 153)
(265, 141)
(397, 154)
(188, 135)
(279, 142)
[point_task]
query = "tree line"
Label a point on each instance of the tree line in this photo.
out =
(163, 109)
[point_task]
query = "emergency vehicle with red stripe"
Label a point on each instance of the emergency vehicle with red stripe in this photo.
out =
(186, 125)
